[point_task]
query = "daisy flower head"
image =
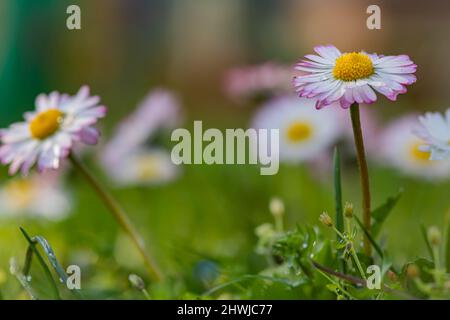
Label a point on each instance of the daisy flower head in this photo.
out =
(268, 79)
(49, 133)
(347, 78)
(402, 149)
(34, 196)
(305, 133)
(143, 166)
(434, 129)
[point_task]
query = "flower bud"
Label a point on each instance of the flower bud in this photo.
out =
(348, 210)
(392, 276)
(136, 281)
(412, 271)
(326, 219)
(276, 207)
(434, 236)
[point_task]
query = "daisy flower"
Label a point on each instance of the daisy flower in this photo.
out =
(304, 133)
(144, 166)
(160, 109)
(34, 196)
(434, 129)
(248, 82)
(402, 149)
(48, 134)
(352, 77)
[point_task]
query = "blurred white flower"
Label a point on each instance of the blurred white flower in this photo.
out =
(252, 81)
(35, 196)
(144, 166)
(434, 129)
(305, 133)
(130, 157)
(159, 110)
(400, 148)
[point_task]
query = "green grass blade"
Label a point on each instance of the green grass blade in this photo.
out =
(252, 277)
(47, 272)
(338, 190)
(427, 243)
(23, 280)
(447, 241)
(51, 257)
(338, 199)
(368, 235)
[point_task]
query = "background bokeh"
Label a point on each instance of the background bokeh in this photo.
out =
(127, 47)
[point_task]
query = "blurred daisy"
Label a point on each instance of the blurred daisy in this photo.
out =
(34, 196)
(48, 134)
(159, 110)
(304, 133)
(400, 148)
(127, 158)
(144, 166)
(434, 129)
(267, 79)
(352, 77)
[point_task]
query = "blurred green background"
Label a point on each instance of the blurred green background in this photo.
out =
(127, 47)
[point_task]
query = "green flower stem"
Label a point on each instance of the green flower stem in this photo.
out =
(120, 216)
(354, 255)
(146, 294)
(358, 264)
(363, 173)
(279, 223)
(340, 234)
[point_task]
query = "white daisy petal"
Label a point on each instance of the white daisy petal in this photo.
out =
(305, 133)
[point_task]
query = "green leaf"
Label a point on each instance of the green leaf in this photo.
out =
(380, 214)
(424, 266)
(371, 239)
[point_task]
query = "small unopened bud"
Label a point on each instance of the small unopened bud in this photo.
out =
(136, 281)
(434, 236)
(392, 276)
(276, 207)
(326, 219)
(348, 210)
(412, 271)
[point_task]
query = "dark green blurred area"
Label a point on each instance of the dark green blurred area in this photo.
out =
(126, 48)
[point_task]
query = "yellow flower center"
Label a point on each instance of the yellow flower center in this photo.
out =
(353, 66)
(147, 167)
(418, 154)
(19, 193)
(46, 123)
(299, 131)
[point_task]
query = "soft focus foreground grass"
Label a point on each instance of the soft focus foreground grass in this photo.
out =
(207, 218)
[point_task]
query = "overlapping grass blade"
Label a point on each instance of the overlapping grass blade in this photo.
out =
(51, 257)
(33, 250)
(427, 243)
(338, 199)
(369, 236)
